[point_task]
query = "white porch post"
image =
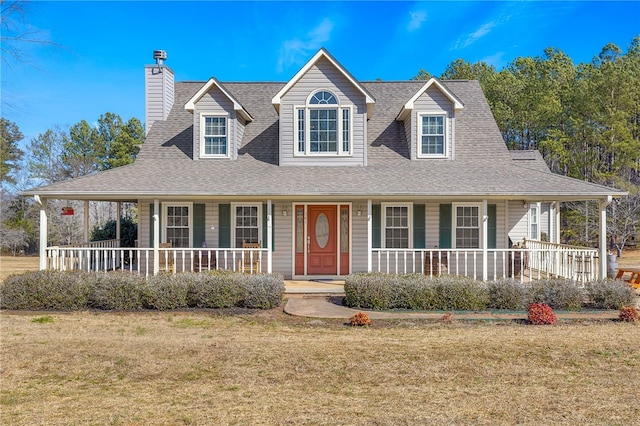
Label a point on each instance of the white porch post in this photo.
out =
(156, 236)
(603, 236)
(118, 214)
(485, 238)
(86, 221)
(369, 237)
(557, 223)
(43, 231)
(269, 237)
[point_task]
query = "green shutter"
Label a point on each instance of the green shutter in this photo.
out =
(151, 222)
(491, 226)
(445, 226)
(198, 225)
(264, 227)
(224, 225)
(418, 226)
(376, 218)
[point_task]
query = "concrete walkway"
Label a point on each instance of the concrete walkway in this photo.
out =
(324, 299)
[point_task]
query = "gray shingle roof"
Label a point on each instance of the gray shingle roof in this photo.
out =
(483, 167)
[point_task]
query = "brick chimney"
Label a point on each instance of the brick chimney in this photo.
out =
(158, 90)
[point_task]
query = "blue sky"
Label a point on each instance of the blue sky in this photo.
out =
(102, 47)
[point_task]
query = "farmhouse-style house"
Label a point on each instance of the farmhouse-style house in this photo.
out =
(325, 175)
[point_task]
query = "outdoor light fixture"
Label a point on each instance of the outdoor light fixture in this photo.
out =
(284, 211)
(359, 211)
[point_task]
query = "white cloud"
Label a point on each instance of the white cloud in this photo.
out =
(475, 36)
(417, 18)
(296, 51)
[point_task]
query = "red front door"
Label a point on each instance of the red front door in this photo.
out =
(322, 256)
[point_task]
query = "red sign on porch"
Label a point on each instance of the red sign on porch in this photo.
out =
(67, 211)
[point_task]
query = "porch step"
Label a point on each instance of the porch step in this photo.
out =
(317, 288)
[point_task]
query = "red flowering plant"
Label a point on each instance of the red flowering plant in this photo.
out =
(540, 314)
(629, 314)
(360, 319)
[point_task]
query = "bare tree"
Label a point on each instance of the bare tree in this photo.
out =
(16, 33)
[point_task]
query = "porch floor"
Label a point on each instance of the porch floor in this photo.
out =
(327, 287)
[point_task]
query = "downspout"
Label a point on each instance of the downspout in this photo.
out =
(43, 231)
(603, 235)
(485, 240)
(156, 236)
(269, 237)
(369, 236)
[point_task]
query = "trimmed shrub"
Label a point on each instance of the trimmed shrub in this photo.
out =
(411, 291)
(609, 294)
(507, 294)
(540, 314)
(557, 293)
(629, 314)
(46, 290)
(119, 291)
(262, 291)
(216, 290)
(371, 291)
(460, 293)
(360, 319)
(168, 291)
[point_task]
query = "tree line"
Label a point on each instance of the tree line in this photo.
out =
(583, 118)
(56, 155)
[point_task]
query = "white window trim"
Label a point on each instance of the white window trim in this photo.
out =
(534, 206)
(383, 220)
(447, 142)
(340, 152)
(165, 221)
(203, 116)
(454, 224)
(233, 219)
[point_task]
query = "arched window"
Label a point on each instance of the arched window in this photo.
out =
(323, 126)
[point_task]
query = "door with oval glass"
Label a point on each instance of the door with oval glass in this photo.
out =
(322, 255)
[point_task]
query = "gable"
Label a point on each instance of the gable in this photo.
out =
(338, 70)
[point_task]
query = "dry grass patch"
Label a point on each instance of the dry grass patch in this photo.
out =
(268, 368)
(10, 265)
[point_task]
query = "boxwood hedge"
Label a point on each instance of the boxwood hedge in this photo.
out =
(449, 292)
(120, 291)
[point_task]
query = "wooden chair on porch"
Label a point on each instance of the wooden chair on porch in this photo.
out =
(166, 258)
(250, 263)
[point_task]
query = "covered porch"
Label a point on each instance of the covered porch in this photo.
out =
(528, 260)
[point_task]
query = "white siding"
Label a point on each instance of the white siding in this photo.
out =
(431, 101)
(282, 256)
(216, 102)
(359, 241)
(323, 75)
(159, 94)
(518, 222)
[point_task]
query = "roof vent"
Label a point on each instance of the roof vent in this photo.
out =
(160, 56)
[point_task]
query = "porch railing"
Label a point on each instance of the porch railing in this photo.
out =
(141, 260)
(534, 261)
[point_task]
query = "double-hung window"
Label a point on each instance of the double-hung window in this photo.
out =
(178, 225)
(214, 139)
(323, 126)
(247, 224)
(467, 226)
(533, 221)
(432, 141)
(397, 224)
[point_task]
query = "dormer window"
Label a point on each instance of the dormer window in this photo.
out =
(323, 126)
(214, 136)
(432, 141)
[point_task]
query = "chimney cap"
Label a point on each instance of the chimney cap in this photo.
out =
(159, 55)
